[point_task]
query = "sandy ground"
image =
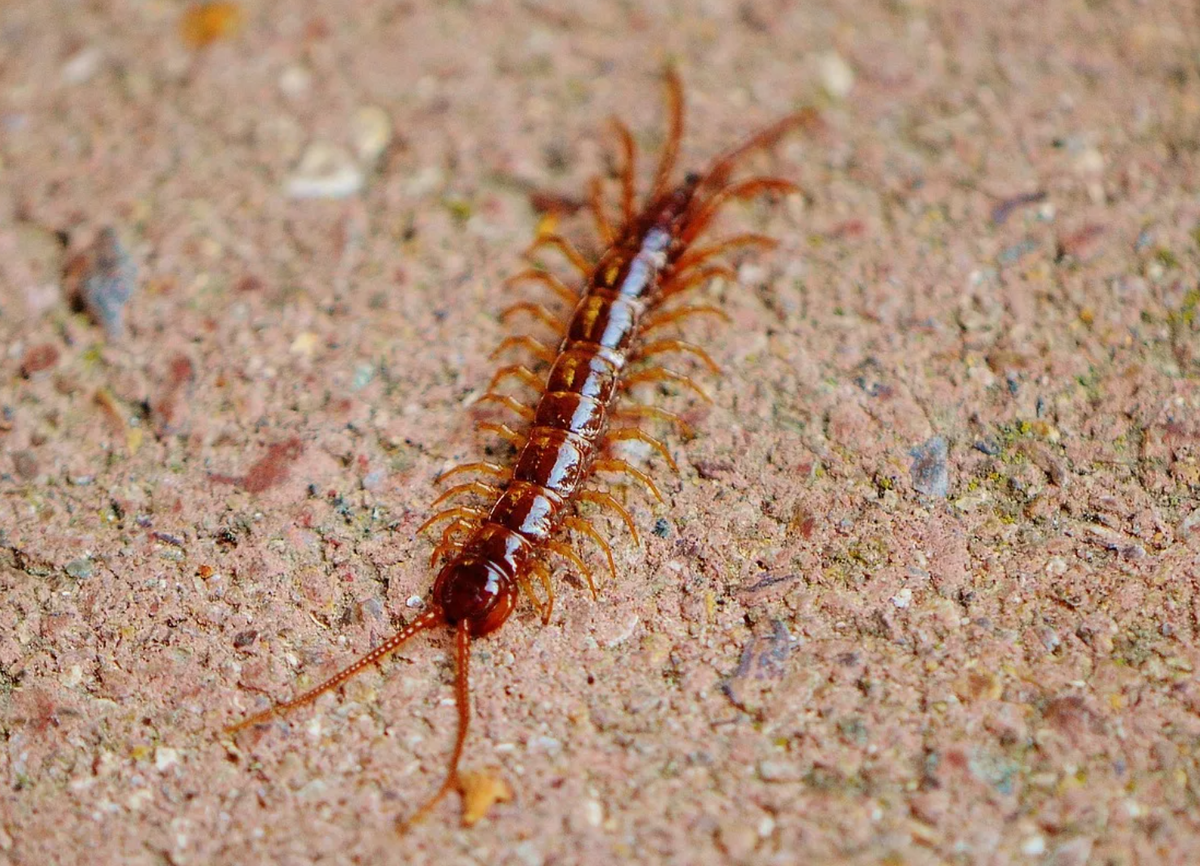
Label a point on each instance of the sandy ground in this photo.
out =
(925, 589)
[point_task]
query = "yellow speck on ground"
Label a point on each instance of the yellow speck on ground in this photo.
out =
(480, 791)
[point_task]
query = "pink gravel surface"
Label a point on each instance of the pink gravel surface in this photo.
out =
(925, 587)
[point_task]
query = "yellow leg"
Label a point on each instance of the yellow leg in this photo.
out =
(460, 511)
(582, 526)
(670, 151)
(448, 543)
(661, 346)
(565, 247)
(496, 469)
(518, 371)
(503, 431)
(628, 168)
(470, 487)
(742, 190)
(606, 500)
(634, 410)
(675, 315)
(680, 282)
(508, 402)
(700, 254)
(596, 203)
(613, 464)
(538, 311)
(543, 574)
(538, 349)
(660, 374)
(547, 279)
(624, 434)
(565, 551)
(538, 604)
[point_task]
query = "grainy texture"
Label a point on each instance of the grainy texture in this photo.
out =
(997, 246)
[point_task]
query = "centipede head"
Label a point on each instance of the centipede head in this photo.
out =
(477, 590)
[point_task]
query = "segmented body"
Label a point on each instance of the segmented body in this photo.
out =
(492, 554)
(571, 417)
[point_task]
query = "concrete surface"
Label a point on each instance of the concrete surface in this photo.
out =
(925, 589)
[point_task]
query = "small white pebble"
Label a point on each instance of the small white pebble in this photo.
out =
(325, 171)
(836, 75)
(1089, 161)
(766, 826)
(1033, 846)
(424, 181)
(624, 633)
(371, 132)
(415, 602)
(544, 744)
(528, 854)
(295, 82)
(903, 598)
(165, 758)
(593, 812)
(82, 65)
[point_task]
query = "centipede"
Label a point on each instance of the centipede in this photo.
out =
(492, 556)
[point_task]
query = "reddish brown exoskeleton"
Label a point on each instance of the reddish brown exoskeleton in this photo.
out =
(493, 554)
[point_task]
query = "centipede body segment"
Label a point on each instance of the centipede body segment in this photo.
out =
(493, 554)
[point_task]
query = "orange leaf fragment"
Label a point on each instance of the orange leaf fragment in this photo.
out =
(206, 23)
(481, 791)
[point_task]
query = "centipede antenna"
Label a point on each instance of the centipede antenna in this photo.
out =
(430, 619)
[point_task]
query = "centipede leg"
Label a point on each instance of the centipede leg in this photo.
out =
(479, 466)
(479, 487)
(718, 171)
(456, 527)
(615, 464)
(510, 403)
(606, 500)
(543, 573)
(540, 606)
(441, 550)
(702, 254)
(628, 168)
(537, 348)
(670, 151)
(448, 544)
(624, 434)
(565, 551)
(517, 371)
(459, 511)
(582, 526)
(565, 247)
(661, 346)
(679, 313)
(533, 275)
(662, 374)
(681, 282)
(638, 411)
(734, 192)
(503, 431)
(538, 311)
(604, 227)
